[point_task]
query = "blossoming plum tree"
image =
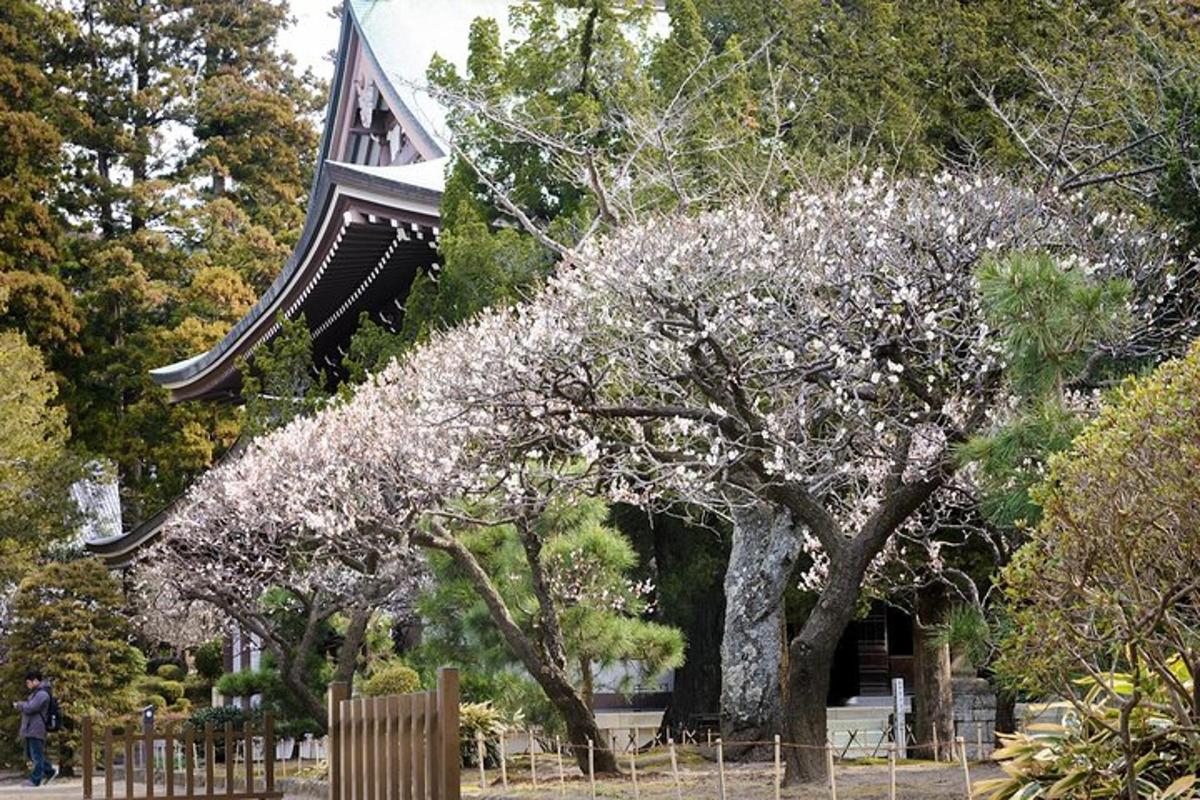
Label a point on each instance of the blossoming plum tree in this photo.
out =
(217, 554)
(807, 371)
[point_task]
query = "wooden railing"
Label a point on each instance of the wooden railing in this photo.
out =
(399, 747)
(188, 763)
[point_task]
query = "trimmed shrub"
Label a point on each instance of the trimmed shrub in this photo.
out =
(392, 678)
(170, 672)
(209, 659)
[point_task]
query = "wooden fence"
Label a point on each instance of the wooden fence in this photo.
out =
(183, 763)
(399, 747)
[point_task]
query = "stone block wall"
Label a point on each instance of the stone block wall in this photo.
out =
(975, 716)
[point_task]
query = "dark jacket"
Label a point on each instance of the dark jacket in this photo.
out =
(33, 712)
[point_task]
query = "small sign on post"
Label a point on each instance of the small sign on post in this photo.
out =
(900, 729)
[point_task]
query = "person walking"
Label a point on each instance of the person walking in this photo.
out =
(34, 712)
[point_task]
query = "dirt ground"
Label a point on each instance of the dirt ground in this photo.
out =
(700, 781)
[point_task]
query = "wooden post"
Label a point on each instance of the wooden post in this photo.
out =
(778, 767)
(433, 748)
(829, 767)
(189, 761)
(248, 738)
(979, 741)
(148, 753)
(937, 749)
(269, 751)
(338, 691)
(962, 750)
(169, 750)
(108, 761)
(721, 768)
(230, 755)
(592, 767)
(504, 760)
(394, 738)
(210, 755)
(382, 769)
(562, 775)
(637, 795)
(891, 771)
(418, 739)
(358, 724)
(481, 754)
(407, 738)
(128, 760)
(87, 758)
(708, 735)
(366, 715)
(675, 769)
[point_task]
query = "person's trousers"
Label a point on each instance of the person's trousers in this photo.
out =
(35, 749)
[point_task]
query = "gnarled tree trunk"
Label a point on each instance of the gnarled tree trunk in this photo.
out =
(934, 706)
(753, 649)
(810, 660)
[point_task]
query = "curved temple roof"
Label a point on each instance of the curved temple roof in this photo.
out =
(373, 210)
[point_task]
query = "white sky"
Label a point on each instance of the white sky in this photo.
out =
(313, 36)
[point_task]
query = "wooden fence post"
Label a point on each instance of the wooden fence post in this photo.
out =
(269, 751)
(129, 769)
(937, 749)
(721, 767)
(230, 758)
(592, 767)
(109, 760)
(338, 691)
(87, 758)
(675, 769)
(891, 771)
(189, 760)
(148, 753)
(633, 773)
(962, 752)
(778, 767)
(829, 767)
(169, 752)
(210, 750)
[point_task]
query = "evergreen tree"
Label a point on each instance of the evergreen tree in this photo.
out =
(31, 116)
(282, 383)
(36, 468)
(67, 620)
(187, 170)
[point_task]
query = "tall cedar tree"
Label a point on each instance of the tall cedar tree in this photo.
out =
(187, 162)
